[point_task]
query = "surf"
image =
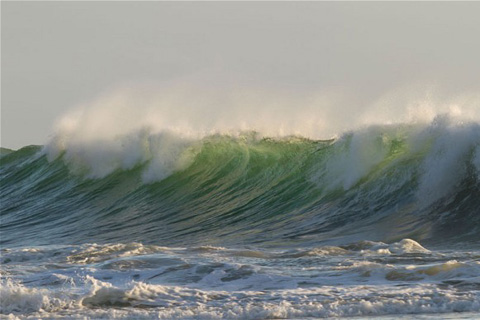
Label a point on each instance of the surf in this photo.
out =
(382, 182)
(171, 213)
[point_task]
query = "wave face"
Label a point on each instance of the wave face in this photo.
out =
(381, 183)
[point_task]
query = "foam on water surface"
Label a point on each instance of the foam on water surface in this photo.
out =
(134, 280)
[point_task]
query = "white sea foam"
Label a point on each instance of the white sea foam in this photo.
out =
(407, 246)
(90, 253)
(362, 279)
(404, 246)
(356, 154)
(447, 147)
(446, 163)
(16, 298)
(158, 124)
(142, 300)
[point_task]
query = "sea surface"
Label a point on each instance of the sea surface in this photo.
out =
(381, 221)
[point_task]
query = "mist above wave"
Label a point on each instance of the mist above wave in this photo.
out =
(194, 110)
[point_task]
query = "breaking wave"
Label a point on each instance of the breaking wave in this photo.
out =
(379, 182)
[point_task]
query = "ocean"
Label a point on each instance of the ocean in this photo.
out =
(381, 221)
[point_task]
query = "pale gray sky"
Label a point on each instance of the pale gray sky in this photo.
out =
(57, 54)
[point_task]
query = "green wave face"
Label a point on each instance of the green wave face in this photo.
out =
(379, 183)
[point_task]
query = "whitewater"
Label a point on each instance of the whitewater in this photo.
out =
(140, 206)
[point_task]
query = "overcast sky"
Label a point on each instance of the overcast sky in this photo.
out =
(55, 55)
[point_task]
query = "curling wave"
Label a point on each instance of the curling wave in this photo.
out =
(381, 182)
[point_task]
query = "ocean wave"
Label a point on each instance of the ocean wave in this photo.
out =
(388, 182)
